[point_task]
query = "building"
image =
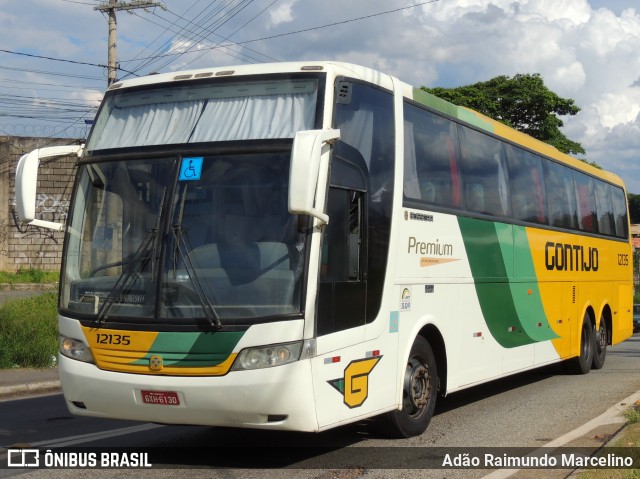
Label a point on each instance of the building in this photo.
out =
(23, 246)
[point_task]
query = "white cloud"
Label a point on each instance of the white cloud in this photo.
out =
(584, 49)
(282, 13)
(590, 55)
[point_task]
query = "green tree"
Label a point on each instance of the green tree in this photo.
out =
(634, 208)
(522, 102)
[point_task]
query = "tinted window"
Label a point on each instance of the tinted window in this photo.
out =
(528, 201)
(620, 212)
(451, 165)
(431, 172)
(561, 196)
(587, 218)
(485, 174)
(604, 208)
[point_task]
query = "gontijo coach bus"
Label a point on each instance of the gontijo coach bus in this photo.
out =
(303, 245)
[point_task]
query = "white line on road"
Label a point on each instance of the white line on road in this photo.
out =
(610, 416)
(95, 436)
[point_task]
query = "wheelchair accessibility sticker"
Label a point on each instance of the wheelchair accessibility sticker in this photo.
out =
(191, 169)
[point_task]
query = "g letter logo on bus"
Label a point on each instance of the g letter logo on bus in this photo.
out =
(354, 386)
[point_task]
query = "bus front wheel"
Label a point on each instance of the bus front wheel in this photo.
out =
(419, 392)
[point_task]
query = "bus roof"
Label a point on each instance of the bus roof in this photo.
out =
(340, 68)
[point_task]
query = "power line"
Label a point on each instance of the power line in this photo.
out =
(228, 37)
(51, 58)
(207, 25)
(111, 7)
(64, 60)
(174, 23)
(304, 30)
(68, 75)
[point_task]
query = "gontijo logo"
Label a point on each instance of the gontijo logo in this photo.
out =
(354, 385)
(570, 257)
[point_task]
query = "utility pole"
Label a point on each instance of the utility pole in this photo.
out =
(111, 7)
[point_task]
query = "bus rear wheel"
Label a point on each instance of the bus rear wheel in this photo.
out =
(419, 393)
(582, 363)
(601, 341)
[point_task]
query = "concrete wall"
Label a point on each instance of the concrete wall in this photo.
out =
(23, 246)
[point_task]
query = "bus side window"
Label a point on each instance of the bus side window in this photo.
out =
(528, 200)
(620, 212)
(585, 194)
(341, 258)
(604, 207)
(430, 164)
(484, 173)
(563, 209)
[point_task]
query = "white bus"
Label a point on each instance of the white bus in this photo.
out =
(299, 246)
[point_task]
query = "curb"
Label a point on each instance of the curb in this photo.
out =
(613, 415)
(19, 390)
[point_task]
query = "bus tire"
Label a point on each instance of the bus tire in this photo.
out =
(581, 364)
(601, 340)
(419, 392)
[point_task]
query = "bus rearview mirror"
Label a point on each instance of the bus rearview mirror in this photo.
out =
(27, 181)
(309, 172)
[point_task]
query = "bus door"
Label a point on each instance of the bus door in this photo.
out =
(341, 366)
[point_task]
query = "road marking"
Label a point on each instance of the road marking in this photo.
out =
(95, 436)
(610, 416)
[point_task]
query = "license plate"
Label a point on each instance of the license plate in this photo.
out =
(163, 398)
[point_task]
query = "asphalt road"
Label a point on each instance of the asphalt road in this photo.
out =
(528, 410)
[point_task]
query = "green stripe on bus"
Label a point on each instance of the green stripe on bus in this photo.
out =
(450, 109)
(193, 349)
(512, 307)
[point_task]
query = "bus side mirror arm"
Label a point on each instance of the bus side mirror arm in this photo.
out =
(27, 181)
(309, 172)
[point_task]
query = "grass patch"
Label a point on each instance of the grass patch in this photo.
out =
(632, 415)
(29, 275)
(29, 331)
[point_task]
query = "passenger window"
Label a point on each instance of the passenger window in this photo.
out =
(561, 196)
(485, 173)
(528, 199)
(431, 173)
(604, 208)
(587, 217)
(620, 212)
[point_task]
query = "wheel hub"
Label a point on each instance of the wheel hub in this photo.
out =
(417, 386)
(601, 338)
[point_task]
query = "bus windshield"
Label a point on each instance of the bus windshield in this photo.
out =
(173, 238)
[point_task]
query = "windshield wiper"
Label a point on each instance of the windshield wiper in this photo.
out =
(141, 257)
(182, 248)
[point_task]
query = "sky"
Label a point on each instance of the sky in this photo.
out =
(53, 53)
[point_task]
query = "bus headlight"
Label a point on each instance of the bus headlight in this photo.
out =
(270, 356)
(75, 349)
